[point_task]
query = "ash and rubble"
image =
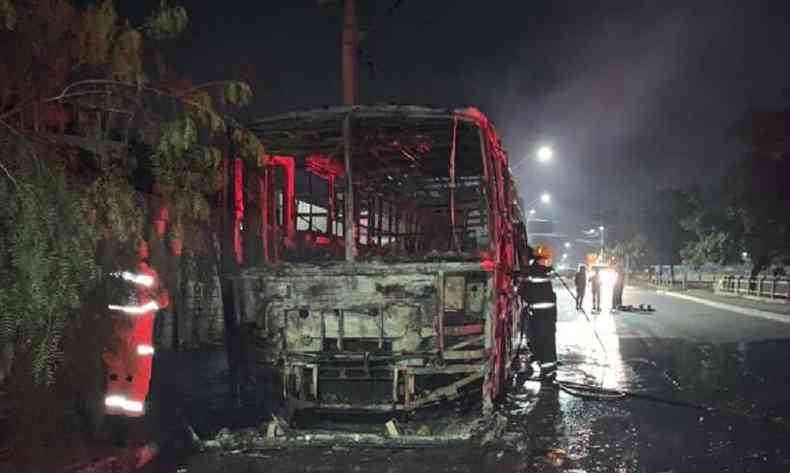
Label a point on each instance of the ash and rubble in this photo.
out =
(452, 429)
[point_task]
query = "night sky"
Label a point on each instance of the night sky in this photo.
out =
(633, 95)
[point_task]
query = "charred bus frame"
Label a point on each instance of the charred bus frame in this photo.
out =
(380, 245)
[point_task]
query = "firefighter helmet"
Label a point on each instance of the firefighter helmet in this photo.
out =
(543, 254)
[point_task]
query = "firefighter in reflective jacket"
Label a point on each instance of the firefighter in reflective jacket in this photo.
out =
(129, 366)
(537, 292)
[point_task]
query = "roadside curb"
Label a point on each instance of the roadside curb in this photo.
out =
(763, 314)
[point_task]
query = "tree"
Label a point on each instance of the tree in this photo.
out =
(636, 249)
(758, 199)
(92, 143)
(748, 213)
(660, 225)
(715, 233)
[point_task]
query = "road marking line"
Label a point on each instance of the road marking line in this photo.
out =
(732, 308)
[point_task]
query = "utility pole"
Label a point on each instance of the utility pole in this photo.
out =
(350, 49)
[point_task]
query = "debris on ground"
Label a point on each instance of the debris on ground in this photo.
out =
(639, 308)
(227, 440)
(249, 440)
(197, 443)
(555, 456)
(277, 427)
(271, 430)
(491, 429)
(392, 428)
(397, 434)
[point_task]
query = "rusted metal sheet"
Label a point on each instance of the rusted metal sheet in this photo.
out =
(462, 330)
(454, 292)
(453, 369)
(450, 392)
(464, 355)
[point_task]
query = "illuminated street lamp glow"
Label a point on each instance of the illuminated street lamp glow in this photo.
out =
(567, 244)
(565, 256)
(545, 154)
(600, 228)
(532, 211)
(745, 255)
(545, 198)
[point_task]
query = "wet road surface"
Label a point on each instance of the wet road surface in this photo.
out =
(676, 361)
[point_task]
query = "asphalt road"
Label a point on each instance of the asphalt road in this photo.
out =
(685, 354)
(709, 392)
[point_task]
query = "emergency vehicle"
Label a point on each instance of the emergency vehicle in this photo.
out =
(388, 240)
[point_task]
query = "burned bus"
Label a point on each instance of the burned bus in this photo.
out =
(380, 245)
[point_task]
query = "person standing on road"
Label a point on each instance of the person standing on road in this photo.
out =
(617, 290)
(595, 282)
(581, 285)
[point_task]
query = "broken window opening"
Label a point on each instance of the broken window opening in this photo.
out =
(420, 192)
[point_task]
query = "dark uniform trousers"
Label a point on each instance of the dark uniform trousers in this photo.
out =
(542, 312)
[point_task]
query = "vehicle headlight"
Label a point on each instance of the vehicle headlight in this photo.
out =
(608, 278)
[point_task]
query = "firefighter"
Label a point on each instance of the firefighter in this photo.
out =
(595, 285)
(542, 309)
(581, 285)
(129, 366)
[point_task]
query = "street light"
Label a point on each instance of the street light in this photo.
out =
(565, 256)
(545, 153)
(544, 198)
(567, 244)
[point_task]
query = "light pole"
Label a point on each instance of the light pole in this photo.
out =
(544, 198)
(544, 155)
(602, 229)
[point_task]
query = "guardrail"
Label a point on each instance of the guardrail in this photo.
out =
(772, 288)
(682, 281)
(766, 287)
